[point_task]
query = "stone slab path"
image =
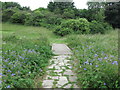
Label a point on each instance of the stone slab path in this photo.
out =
(59, 73)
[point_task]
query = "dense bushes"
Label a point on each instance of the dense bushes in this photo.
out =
(99, 27)
(23, 59)
(18, 17)
(82, 26)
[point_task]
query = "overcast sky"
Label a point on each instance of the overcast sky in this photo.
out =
(34, 4)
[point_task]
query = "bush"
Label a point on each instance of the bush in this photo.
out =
(99, 27)
(6, 15)
(62, 31)
(18, 17)
(80, 26)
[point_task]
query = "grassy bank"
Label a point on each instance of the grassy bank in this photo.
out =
(97, 59)
(25, 53)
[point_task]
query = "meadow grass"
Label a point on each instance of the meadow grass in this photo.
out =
(97, 59)
(29, 32)
(26, 52)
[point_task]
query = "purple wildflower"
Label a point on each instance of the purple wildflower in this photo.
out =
(95, 55)
(105, 57)
(85, 69)
(99, 59)
(104, 83)
(96, 65)
(9, 71)
(90, 63)
(115, 62)
(8, 86)
(12, 74)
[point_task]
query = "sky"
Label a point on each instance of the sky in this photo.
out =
(34, 4)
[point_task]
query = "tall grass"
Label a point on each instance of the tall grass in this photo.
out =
(25, 54)
(97, 59)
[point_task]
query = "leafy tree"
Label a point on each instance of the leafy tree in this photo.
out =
(52, 6)
(112, 13)
(6, 15)
(18, 17)
(10, 5)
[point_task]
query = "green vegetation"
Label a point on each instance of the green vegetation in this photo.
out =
(27, 37)
(97, 56)
(25, 54)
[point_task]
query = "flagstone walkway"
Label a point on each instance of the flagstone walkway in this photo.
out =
(59, 73)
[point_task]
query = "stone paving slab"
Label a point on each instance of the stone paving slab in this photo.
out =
(59, 73)
(60, 49)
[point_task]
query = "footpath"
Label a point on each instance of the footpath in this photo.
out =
(59, 72)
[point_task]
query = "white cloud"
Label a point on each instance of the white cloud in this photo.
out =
(34, 4)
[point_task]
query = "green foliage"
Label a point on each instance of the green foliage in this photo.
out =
(112, 13)
(68, 13)
(80, 26)
(61, 5)
(97, 55)
(6, 15)
(62, 31)
(10, 5)
(99, 27)
(23, 59)
(18, 17)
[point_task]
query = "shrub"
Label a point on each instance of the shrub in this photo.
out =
(80, 26)
(6, 15)
(18, 17)
(62, 31)
(99, 27)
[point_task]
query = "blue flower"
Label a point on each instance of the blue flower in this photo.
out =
(115, 62)
(96, 65)
(12, 74)
(90, 63)
(99, 59)
(105, 84)
(105, 57)
(95, 55)
(9, 71)
(85, 69)
(86, 62)
(8, 86)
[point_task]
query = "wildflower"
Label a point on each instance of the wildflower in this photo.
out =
(104, 83)
(111, 56)
(99, 59)
(12, 74)
(95, 55)
(90, 63)
(9, 70)
(86, 62)
(115, 62)
(96, 65)
(85, 69)
(105, 57)
(80, 66)
(0, 74)
(8, 86)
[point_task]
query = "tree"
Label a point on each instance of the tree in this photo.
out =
(60, 6)
(112, 13)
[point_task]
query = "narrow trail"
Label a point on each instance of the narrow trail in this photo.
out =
(59, 71)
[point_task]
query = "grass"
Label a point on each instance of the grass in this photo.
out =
(30, 32)
(97, 59)
(25, 54)
(97, 56)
